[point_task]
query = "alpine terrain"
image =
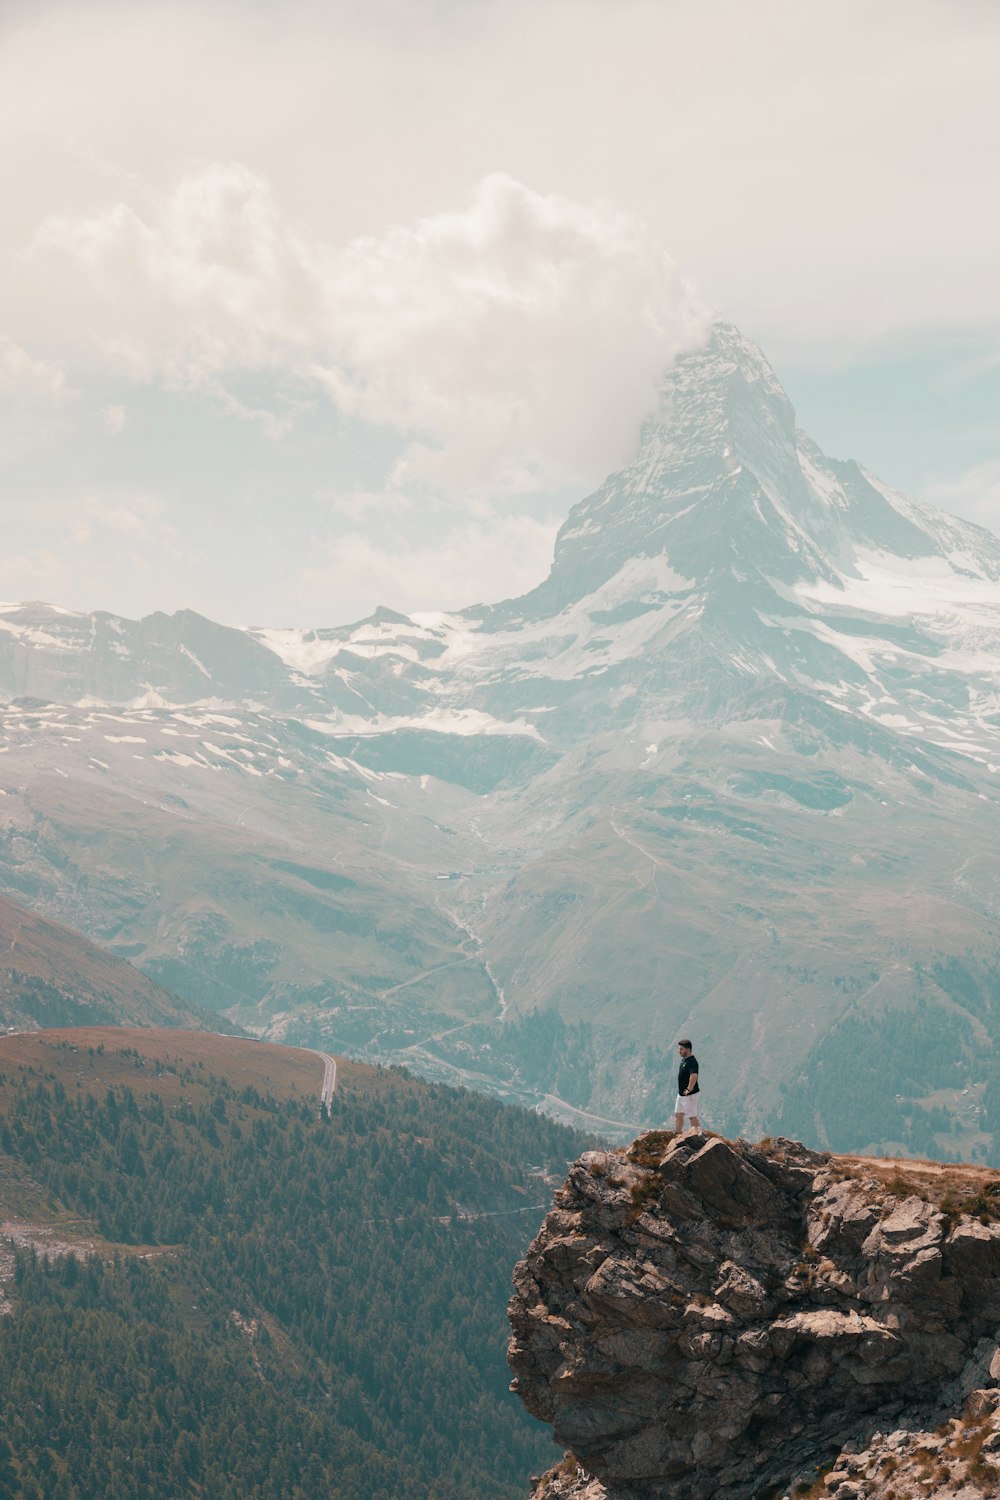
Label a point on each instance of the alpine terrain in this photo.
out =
(729, 772)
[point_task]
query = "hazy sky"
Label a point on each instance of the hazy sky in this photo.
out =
(312, 306)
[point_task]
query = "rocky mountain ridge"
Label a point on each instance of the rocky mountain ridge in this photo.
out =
(703, 1319)
(729, 771)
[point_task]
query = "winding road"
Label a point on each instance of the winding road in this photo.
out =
(329, 1076)
(556, 1105)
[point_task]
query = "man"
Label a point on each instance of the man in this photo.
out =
(686, 1107)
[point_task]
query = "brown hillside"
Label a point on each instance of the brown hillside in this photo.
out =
(51, 976)
(110, 1055)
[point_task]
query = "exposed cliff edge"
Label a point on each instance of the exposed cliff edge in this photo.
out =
(703, 1319)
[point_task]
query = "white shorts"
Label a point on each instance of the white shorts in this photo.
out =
(688, 1104)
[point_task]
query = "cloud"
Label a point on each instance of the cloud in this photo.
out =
(204, 279)
(28, 377)
(522, 339)
(118, 549)
(127, 531)
(36, 401)
(37, 574)
(113, 419)
(138, 517)
(472, 562)
(211, 176)
(518, 342)
(820, 168)
(366, 505)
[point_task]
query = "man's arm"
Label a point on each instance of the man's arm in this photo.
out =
(692, 1084)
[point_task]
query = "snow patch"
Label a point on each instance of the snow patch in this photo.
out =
(460, 721)
(180, 759)
(149, 699)
(199, 664)
(301, 650)
(926, 589)
(35, 637)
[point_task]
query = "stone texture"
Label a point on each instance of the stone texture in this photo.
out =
(702, 1319)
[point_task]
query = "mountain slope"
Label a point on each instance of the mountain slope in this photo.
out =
(213, 1290)
(50, 976)
(730, 770)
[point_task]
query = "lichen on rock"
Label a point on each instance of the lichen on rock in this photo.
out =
(703, 1319)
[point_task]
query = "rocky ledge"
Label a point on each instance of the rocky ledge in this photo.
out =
(702, 1319)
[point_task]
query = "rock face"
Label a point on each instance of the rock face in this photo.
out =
(702, 1319)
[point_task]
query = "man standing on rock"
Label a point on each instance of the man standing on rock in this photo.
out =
(686, 1107)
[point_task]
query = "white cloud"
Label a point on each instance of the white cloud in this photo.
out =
(365, 505)
(29, 377)
(137, 517)
(518, 342)
(822, 169)
(113, 419)
(36, 401)
(522, 338)
(37, 574)
(201, 280)
(472, 562)
(212, 176)
(101, 550)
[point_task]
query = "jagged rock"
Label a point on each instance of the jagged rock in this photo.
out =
(703, 1319)
(568, 1482)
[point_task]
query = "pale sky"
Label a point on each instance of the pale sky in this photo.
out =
(309, 307)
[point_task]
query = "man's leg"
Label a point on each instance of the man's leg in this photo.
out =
(678, 1122)
(694, 1123)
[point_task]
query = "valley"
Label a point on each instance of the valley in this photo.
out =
(729, 771)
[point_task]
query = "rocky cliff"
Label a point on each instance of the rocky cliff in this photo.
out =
(703, 1319)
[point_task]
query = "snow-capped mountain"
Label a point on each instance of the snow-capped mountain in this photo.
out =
(729, 533)
(731, 768)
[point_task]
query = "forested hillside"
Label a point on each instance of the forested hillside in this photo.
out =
(245, 1300)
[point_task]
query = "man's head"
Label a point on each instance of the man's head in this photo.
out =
(684, 1048)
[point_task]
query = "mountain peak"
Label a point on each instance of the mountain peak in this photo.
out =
(735, 361)
(715, 484)
(736, 499)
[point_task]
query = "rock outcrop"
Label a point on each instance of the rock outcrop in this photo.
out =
(703, 1319)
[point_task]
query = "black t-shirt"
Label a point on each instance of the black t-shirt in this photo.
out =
(688, 1066)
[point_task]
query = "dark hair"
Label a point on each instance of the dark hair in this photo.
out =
(684, 1042)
